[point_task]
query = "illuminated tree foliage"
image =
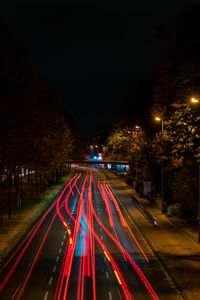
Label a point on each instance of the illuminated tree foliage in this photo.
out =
(181, 138)
(180, 149)
(176, 81)
(33, 130)
(128, 144)
(34, 133)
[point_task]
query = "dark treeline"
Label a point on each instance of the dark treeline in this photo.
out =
(140, 139)
(36, 136)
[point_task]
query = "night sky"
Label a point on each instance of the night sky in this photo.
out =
(91, 51)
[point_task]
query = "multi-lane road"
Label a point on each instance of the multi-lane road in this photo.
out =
(83, 247)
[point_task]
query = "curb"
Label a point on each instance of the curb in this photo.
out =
(143, 211)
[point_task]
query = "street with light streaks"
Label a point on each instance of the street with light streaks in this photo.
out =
(83, 247)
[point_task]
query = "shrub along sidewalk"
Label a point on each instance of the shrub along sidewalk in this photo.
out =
(13, 229)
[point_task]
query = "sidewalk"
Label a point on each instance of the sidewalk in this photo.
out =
(178, 251)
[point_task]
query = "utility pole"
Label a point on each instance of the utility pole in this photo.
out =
(199, 207)
(162, 171)
(162, 163)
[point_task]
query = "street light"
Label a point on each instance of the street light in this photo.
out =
(162, 166)
(196, 101)
(158, 119)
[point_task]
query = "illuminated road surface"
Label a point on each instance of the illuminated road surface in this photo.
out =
(82, 248)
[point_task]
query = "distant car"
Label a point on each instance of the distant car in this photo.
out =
(100, 156)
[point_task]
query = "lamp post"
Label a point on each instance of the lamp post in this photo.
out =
(162, 166)
(193, 100)
(196, 101)
(198, 216)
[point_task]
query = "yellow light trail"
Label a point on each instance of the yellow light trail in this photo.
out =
(107, 256)
(117, 277)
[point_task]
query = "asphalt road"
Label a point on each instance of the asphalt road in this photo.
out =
(83, 247)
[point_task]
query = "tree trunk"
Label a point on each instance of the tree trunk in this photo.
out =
(21, 189)
(16, 174)
(9, 187)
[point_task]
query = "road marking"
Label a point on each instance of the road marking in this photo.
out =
(101, 229)
(54, 268)
(60, 250)
(50, 280)
(57, 258)
(102, 237)
(46, 295)
(62, 243)
(107, 275)
(110, 295)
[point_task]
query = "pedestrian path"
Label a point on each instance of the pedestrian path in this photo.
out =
(178, 251)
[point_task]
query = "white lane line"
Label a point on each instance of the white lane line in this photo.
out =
(57, 258)
(60, 250)
(102, 237)
(46, 295)
(50, 280)
(110, 295)
(100, 229)
(54, 268)
(62, 243)
(107, 276)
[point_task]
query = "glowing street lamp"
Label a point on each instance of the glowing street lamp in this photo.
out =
(193, 100)
(162, 166)
(158, 119)
(196, 101)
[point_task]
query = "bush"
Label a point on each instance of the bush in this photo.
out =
(129, 180)
(185, 189)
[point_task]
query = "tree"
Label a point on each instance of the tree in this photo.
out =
(179, 147)
(180, 138)
(34, 134)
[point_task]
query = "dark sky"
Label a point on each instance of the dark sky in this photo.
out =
(91, 51)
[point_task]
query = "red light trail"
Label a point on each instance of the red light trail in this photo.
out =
(80, 245)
